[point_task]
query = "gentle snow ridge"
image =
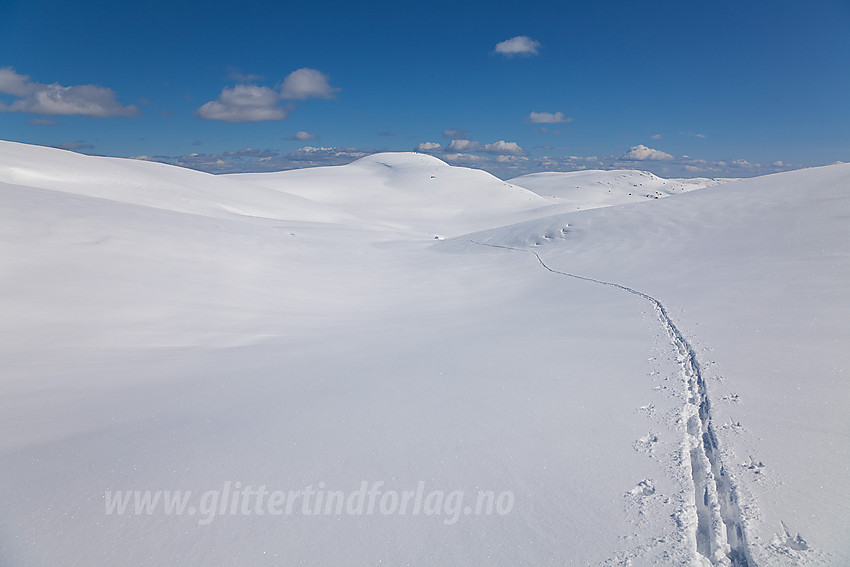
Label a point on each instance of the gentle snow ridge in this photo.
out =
(150, 184)
(591, 189)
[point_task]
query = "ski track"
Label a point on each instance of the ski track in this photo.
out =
(720, 536)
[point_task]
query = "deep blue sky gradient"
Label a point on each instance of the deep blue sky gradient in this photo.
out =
(716, 81)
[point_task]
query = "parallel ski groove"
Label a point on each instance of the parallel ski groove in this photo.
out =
(720, 535)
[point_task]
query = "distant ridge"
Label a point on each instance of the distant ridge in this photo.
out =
(594, 188)
(149, 184)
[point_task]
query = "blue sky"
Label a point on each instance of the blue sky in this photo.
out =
(680, 88)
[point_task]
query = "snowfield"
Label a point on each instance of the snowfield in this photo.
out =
(643, 381)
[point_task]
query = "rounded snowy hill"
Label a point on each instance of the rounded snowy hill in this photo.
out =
(594, 188)
(150, 184)
(407, 190)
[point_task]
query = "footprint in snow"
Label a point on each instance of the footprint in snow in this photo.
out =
(646, 444)
(753, 465)
(644, 488)
(788, 541)
(649, 409)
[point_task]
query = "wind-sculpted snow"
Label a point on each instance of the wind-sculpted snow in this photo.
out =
(679, 399)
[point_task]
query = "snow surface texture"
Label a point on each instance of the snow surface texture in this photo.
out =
(659, 382)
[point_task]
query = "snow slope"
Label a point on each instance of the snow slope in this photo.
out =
(594, 188)
(756, 274)
(160, 334)
(409, 191)
(150, 184)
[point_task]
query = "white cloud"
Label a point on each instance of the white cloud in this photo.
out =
(244, 103)
(656, 136)
(55, 99)
(504, 148)
(428, 147)
(306, 83)
(468, 147)
(15, 84)
(503, 166)
(548, 118)
(642, 153)
(519, 46)
(254, 103)
(461, 146)
(303, 136)
(465, 158)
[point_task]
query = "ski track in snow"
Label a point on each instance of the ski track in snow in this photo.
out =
(720, 536)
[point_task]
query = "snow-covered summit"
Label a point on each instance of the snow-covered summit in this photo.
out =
(400, 160)
(406, 189)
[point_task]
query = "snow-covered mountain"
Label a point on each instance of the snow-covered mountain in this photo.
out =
(407, 190)
(658, 382)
